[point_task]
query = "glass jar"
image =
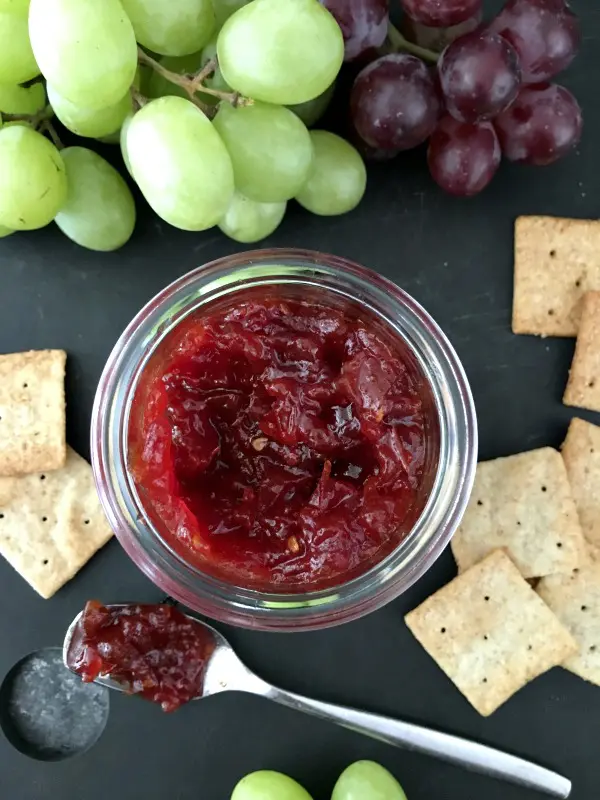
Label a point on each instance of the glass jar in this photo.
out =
(452, 438)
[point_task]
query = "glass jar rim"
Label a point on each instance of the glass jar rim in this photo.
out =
(219, 599)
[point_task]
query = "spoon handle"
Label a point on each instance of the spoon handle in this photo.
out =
(473, 756)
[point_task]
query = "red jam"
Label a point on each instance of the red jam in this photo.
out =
(280, 445)
(154, 650)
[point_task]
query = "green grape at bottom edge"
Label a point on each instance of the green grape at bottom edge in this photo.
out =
(99, 212)
(367, 780)
(32, 176)
(179, 162)
(268, 785)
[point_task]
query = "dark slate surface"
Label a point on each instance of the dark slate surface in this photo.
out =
(456, 258)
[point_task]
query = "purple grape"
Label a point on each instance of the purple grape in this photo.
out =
(364, 24)
(394, 104)
(463, 158)
(545, 34)
(541, 126)
(441, 13)
(479, 76)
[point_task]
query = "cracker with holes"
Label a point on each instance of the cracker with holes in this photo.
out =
(581, 454)
(556, 262)
(51, 523)
(583, 388)
(490, 632)
(524, 505)
(575, 599)
(32, 411)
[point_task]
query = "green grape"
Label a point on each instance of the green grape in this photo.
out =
(268, 785)
(281, 51)
(99, 212)
(366, 780)
(5, 231)
(270, 150)
(90, 122)
(32, 176)
(17, 62)
(179, 162)
(312, 111)
(85, 48)
(225, 8)
(171, 27)
(123, 142)
(337, 179)
(16, 6)
(247, 221)
(21, 99)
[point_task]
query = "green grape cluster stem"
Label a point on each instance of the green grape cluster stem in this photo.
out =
(192, 84)
(41, 121)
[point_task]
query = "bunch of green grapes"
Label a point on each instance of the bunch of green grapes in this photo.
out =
(363, 780)
(228, 149)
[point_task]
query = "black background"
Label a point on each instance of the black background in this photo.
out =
(455, 257)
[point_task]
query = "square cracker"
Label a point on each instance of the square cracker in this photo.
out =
(490, 632)
(32, 411)
(583, 388)
(51, 523)
(575, 599)
(581, 454)
(522, 504)
(556, 262)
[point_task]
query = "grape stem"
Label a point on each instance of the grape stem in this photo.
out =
(194, 83)
(35, 120)
(138, 98)
(401, 44)
(48, 127)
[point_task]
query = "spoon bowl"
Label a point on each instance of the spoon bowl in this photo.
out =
(226, 672)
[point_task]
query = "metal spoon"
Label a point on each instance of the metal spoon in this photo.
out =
(225, 672)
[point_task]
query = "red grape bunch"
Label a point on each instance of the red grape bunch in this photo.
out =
(488, 94)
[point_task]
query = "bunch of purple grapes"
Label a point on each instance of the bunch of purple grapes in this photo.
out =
(489, 94)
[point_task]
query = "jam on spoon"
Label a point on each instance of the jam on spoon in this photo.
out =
(153, 650)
